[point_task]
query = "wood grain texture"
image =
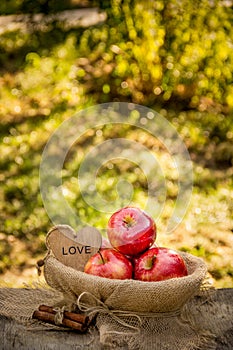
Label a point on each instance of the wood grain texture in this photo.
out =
(14, 335)
(72, 248)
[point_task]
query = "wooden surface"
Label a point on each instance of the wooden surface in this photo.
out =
(14, 335)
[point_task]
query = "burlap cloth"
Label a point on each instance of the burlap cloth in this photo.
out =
(143, 315)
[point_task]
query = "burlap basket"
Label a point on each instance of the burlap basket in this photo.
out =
(141, 315)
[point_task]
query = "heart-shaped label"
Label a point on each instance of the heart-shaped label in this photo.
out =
(73, 249)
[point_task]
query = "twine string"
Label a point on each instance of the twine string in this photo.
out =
(58, 317)
(102, 308)
(98, 307)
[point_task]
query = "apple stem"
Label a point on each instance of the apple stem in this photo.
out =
(154, 258)
(101, 256)
(129, 221)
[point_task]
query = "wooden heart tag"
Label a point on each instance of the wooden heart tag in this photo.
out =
(73, 249)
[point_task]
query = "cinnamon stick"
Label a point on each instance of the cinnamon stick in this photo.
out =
(50, 318)
(83, 319)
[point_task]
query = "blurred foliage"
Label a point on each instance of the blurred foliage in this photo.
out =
(159, 51)
(174, 56)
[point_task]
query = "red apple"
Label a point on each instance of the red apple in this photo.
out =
(131, 231)
(109, 263)
(159, 264)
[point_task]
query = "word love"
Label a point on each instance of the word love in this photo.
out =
(72, 250)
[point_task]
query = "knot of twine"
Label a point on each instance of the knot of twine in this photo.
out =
(58, 317)
(98, 307)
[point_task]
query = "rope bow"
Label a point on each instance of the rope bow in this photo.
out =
(101, 308)
(58, 318)
(98, 307)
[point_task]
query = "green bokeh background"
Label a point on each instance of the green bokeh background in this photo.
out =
(173, 56)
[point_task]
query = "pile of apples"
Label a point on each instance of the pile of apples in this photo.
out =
(130, 251)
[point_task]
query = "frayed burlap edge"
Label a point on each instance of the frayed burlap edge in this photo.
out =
(172, 330)
(121, 324)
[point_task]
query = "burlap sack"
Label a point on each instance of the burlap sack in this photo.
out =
(141, 315)
(128, 295)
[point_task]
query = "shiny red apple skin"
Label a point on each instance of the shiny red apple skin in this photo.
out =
(110, 264)
(158, 264)
(131, 231)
